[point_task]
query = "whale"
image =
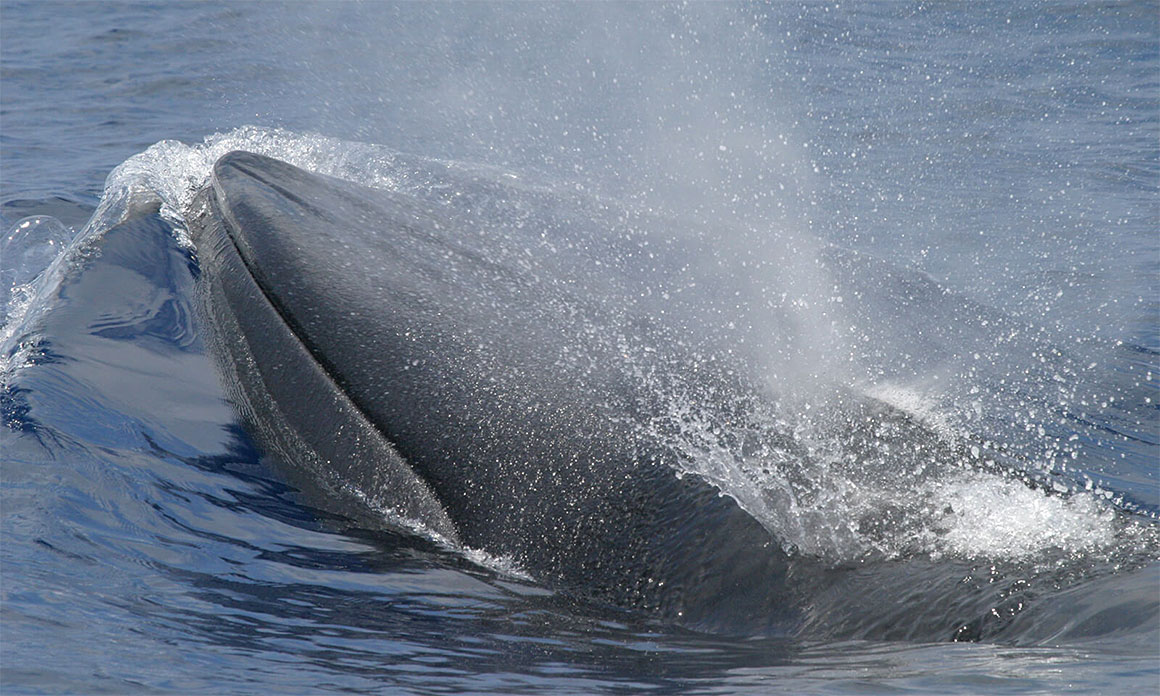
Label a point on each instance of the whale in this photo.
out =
(581, 394)
(455, 371)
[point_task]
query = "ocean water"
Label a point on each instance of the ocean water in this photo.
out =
(962, 205)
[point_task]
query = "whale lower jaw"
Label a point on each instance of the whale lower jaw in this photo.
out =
(288, 399)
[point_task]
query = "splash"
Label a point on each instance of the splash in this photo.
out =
(778, 398)
(979, 516)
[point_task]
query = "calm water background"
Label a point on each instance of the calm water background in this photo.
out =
(1009, 152)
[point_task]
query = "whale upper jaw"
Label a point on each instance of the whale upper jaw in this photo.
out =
(287, 396)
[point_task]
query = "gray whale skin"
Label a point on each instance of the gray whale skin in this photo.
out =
(421, 356)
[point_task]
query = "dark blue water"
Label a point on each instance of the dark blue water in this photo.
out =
(1003, 161)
